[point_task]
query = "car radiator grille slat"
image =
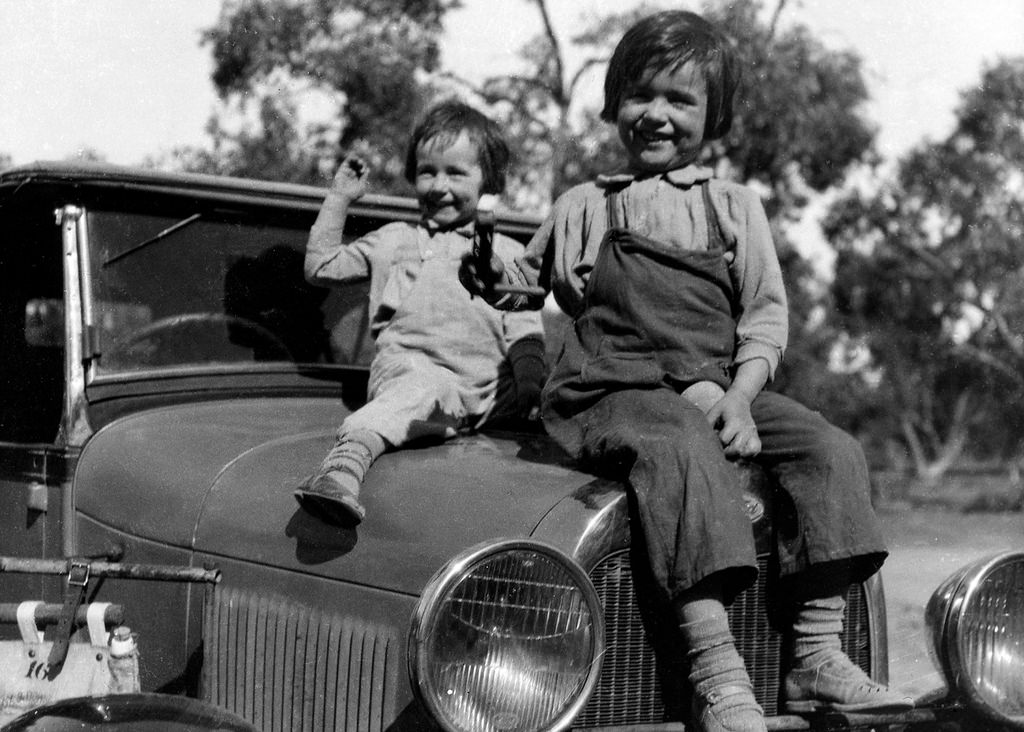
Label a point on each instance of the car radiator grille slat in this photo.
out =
(287, 668)
(632, 687)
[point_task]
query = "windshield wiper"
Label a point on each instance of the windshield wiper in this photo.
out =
(162, 235)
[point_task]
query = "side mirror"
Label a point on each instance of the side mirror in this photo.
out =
(44, 322)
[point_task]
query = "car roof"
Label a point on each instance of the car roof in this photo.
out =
(97, 176)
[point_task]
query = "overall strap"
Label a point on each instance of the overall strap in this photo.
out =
(716, 240)
(611, 200)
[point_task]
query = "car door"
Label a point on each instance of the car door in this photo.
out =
(35, 470)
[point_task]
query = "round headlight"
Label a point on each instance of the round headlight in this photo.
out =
(976, 624)
(507, 636)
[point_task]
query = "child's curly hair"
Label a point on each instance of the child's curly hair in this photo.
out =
(444, 122)
(667, 40)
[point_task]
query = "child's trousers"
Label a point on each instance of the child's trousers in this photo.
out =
(688, 496)
(656, 319)
(412, 397)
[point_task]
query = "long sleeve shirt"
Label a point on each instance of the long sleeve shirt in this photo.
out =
(670, 208)
(417, 303)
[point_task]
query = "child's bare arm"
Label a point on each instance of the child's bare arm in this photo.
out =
(350, 179)
(731, 415)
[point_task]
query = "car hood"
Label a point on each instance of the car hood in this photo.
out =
(218, 478)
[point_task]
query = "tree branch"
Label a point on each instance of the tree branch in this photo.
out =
(1009, 337)
(549, 31)
(913, 443)
(1006, 333)
(994, 363)
(459, 80)
(933, 262)
(775, 19)
(521, 82)
(587, 65)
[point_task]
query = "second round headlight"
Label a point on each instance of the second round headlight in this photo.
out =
(976, 622)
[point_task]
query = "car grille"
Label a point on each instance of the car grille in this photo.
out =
(287, 667)
(633, 683)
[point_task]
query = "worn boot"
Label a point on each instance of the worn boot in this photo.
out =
(723, 697)
(823, 678)
(332, 493)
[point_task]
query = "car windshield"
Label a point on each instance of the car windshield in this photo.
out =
(199, 290)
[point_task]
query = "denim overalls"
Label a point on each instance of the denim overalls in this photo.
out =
(655, 319)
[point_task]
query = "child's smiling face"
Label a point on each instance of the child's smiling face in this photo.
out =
(661, 118)
(448, 179)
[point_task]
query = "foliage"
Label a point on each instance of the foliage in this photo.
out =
(930, 277)
(799, 106)
(273, 150)
(361, 58)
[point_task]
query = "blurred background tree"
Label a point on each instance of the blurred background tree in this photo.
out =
(302, 81)
(930, 283)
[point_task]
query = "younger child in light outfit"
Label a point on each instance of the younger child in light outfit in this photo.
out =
(443, 360)
(673, 284)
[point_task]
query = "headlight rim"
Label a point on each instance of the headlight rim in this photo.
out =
(946, 613)
(454, 570)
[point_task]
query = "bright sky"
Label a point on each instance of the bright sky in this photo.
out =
(128, 78)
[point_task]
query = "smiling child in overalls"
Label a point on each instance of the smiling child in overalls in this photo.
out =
(679, 320)
(443, 362)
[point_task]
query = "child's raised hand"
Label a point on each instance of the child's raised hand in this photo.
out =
(483, 268)
(350, 178)
(736, 428)
(479, 276)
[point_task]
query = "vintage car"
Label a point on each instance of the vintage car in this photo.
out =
(169, 377)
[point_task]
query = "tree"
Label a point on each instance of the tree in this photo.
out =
(799, 123)
(361, 59)
(930, 278)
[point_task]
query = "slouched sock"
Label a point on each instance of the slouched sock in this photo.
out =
(723, 695)
(816, 630)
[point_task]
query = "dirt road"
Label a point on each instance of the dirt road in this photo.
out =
(926, 546)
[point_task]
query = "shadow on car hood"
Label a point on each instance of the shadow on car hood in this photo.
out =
(218, 477)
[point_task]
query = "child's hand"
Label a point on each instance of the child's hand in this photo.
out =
(736, 428)
(479, 277)
(350, 178)
(482, 268)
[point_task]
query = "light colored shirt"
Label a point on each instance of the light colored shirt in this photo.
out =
(417, 302)
(669, 208)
